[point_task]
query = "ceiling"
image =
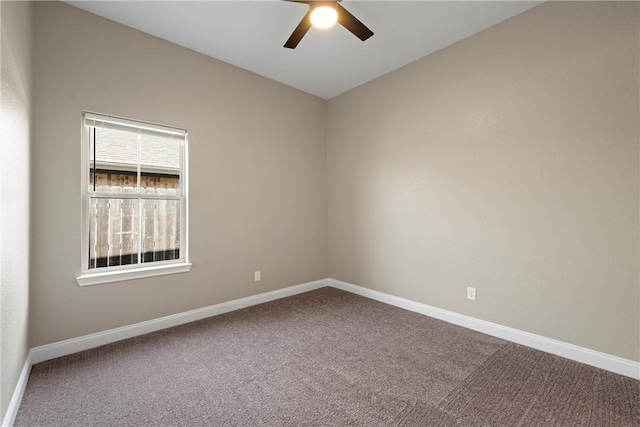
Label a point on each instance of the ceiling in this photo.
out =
(326, 63)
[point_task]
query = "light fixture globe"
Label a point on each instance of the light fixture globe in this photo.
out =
(324, 17)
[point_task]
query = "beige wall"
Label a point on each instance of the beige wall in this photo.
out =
(257, 173)
(16, 23)
(507, 162)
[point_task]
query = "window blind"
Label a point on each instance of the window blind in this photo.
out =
(120, 124)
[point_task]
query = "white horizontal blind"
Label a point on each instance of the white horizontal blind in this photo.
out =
(117, 123)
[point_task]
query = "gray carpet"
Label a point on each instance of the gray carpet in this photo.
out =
(324, 358)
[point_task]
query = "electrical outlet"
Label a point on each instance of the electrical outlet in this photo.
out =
(256, 276)
(471, 293)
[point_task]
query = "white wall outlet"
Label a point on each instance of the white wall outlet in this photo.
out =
(471, 293)
(256, 276)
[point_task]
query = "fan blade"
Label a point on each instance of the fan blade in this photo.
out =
(352, 24)
(299, 32)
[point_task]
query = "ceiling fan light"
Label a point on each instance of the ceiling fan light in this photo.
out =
(324, 17)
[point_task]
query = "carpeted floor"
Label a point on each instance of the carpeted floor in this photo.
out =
(323, 358)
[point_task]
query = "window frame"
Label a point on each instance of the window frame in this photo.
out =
(138, 270)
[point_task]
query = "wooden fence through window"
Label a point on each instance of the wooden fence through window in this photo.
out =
(119, 226)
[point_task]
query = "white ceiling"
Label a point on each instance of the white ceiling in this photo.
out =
(250, 34)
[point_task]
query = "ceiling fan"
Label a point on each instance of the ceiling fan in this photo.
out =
(323, 14)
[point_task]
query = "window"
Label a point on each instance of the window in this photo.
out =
(134, 191)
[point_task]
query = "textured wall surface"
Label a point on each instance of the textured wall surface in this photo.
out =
(507, 162)
(257, 175)
(16, 23)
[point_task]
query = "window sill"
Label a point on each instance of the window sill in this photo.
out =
(138, 273)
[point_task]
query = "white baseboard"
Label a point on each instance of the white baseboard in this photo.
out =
(598, 359)
(74, 345)
(14, 404)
